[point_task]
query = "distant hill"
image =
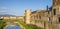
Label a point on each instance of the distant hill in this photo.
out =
(6, 15)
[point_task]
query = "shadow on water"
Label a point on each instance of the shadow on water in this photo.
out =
(13, 26)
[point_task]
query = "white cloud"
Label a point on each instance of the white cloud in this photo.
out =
(3, 9)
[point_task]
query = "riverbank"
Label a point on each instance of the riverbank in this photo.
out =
(2, 24)
(23, 25)
(13, 26)
(29, 26)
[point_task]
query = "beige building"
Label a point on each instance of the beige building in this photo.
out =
(20, 17)
(47, 19)
(12, 17)
(6, 17)
(38, 17)
(55, 12)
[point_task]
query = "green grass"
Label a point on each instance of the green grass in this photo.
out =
(27, 26)
(2, 24)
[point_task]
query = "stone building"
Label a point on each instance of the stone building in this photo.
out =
(38, 17)
(55, 14)
(48, 19)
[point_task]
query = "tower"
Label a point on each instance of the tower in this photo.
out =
(27, 16)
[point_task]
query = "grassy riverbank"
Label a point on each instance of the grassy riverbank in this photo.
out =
(27, 26)
(2, 24)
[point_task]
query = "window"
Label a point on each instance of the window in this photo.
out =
(49, 19)
(40, 17)
(54, 11)
(36, 16)
(59, 19)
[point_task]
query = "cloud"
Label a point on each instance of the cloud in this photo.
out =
(3, 9)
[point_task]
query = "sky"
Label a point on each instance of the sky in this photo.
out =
(18, 7)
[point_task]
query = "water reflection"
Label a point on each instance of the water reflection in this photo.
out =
(13, 26)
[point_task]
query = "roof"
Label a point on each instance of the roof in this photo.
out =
(39, 11)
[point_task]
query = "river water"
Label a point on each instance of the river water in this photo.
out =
(13, 26)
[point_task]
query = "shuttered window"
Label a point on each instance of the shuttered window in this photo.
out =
(54, 11)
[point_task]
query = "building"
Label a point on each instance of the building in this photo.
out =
(38, 17)
(27, 16)
(20, 18)
(6, 17)
(12, 17)
(47, 19)
(55, 14)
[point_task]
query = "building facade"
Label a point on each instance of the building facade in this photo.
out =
(12, 17)
(47, 19)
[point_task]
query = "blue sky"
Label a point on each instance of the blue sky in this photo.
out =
(18, 7)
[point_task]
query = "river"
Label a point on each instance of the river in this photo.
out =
(13, 26)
